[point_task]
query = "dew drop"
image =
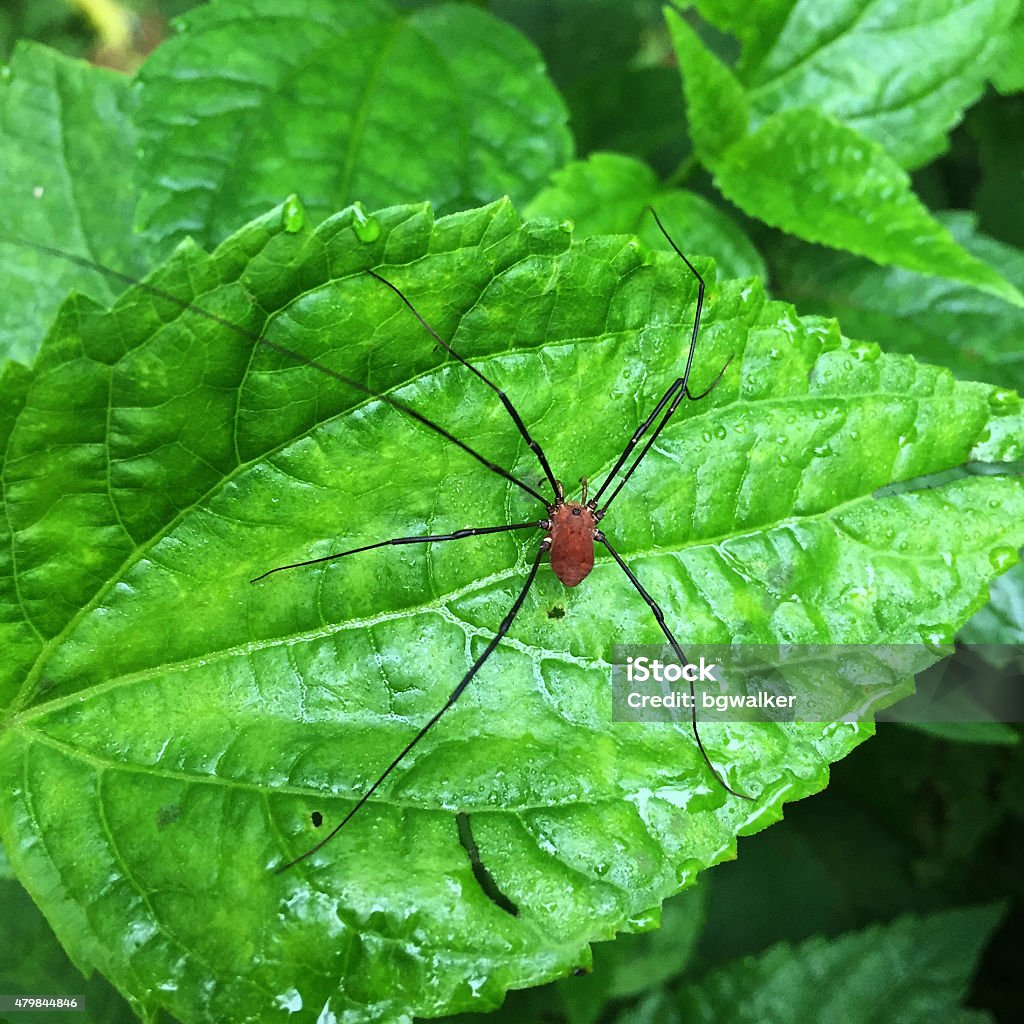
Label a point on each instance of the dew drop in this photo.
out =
(720, 432)
(566, 226)
(1002, 558)
(293, 216)
(645, 922)
(937, 638)
(1003, 400)
(365, 227)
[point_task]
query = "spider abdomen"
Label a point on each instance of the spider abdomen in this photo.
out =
(571, 542)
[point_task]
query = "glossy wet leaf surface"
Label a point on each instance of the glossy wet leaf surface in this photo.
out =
(171, 729)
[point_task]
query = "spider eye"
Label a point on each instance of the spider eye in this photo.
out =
(577, 512)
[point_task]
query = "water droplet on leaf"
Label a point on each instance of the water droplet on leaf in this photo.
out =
(1002, 558)
(365, 227)
(293, 216)
(1002, 400)
(866, 351)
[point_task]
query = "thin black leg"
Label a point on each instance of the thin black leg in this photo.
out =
(258, 339)
(660, 616)
(474, 531)
(506, 624)
(678, 387)
(649, 443)
(632, 443)
(533, 445)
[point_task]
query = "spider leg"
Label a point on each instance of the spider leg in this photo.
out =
(474, 531)
(660, 616)
(506, 624)
(679, 396)
(677, 391)
(533, 445)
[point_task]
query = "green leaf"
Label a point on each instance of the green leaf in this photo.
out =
(717, 107)
(912, 970)
(609, 194)
(899, 73)
(65, 141)
(330, 100)
(170, 730)
(975, 335)
(817, 178)
(802, 170)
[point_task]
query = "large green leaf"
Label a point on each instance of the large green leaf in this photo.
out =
(819, 179)
(340, 101)
(801, 167)
(900, 72)
(170, 729)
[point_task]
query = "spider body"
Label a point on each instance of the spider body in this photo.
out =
(571, 531)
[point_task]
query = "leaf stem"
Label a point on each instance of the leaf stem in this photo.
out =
(685, 168)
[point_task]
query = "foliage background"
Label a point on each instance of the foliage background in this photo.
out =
(914, 827)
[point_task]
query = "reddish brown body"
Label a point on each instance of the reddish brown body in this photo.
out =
(570, 539)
